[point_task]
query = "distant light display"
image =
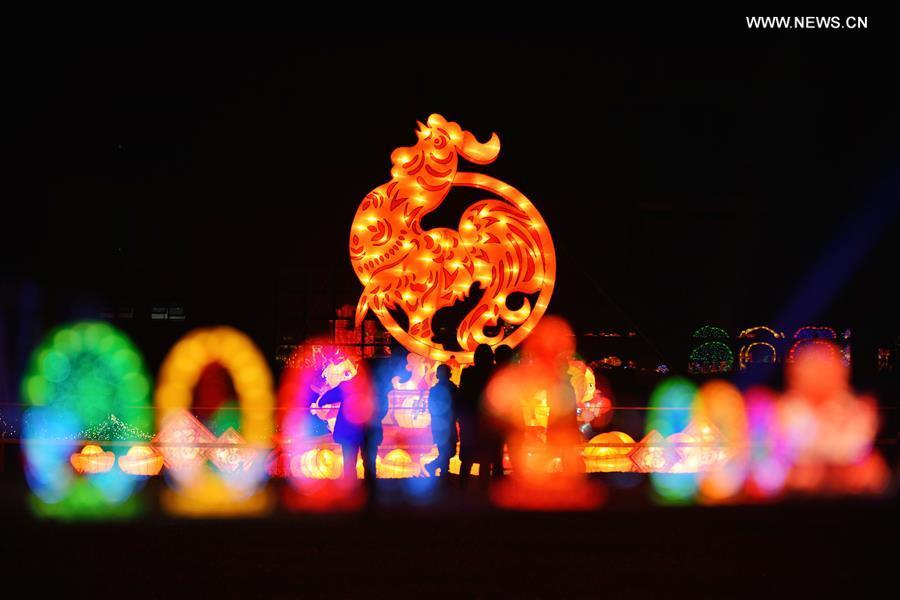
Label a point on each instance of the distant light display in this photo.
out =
(501, 244)
(710, 332)
(711, 357)
(757, 352)
(760, 331)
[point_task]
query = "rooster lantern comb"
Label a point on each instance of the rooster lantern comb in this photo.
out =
(502, 244)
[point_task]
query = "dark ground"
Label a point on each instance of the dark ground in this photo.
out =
(464, 549)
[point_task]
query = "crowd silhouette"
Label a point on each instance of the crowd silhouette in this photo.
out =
(459, 418)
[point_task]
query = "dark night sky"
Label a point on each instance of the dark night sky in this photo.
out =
(686, 178)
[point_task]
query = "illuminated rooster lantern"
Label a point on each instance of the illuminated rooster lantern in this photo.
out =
(177, 438)
(653, 455)
(92, 459)
(232, 458)
(501, 243)
(318, 463)
(141, 460)
(605, 453)
(397, 464)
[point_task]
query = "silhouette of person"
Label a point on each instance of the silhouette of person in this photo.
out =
(510, 432)
(363, 404)
(443, 402)
(473, 382)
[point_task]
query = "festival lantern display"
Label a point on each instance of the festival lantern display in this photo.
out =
(141, 460)
(85, 381)
(427, 458)
(397, 464)
(501, 244)
(653, 455)
(233, 457)
(92, 459)
(609, 452)
(711, 450)
(410, 409)
(200, 492)
(182, 441)
(317, 463)
(750, 353)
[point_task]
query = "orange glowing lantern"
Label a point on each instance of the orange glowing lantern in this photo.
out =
(397, 464)
(606, 453)
(92, 459)
(410, 409)
(501, 244)
(141, 460)
(318, 463)
(711, 450)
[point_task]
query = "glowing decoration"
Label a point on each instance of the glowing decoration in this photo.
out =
(113, 429)
(201, 491)
(234, 457)
(318, 463)
(720, 412)
(811, 332)
(501, 244)
(178, 439)
(710, 332)
(652, 454)
(141, 460)
(410, 409)
(800, 346)
(608, 452)
(749, 354)
(753, 333)
(427, 458)
(93, 370)
(397, 464)
(711, 357)
(81, 380)
(92, 459)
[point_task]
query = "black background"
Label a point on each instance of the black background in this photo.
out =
(691, 171)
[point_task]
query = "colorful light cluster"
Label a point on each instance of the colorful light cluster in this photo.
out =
(80, 380)
(236, 490)
(816, 436)
(501, 244)
(711, 357)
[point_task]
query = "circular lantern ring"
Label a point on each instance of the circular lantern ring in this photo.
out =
(232, 349)
(546, 255)
(206, 492)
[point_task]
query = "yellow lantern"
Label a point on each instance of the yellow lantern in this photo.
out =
(141, 460)
(92, 459)
(410, 409)
(318, 463)
(606, 454)
(397, 464)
